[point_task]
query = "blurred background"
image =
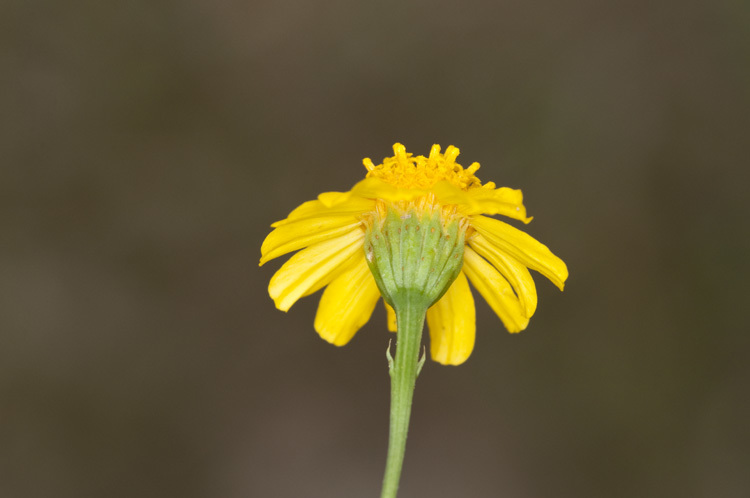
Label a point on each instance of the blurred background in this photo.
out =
(147, 146)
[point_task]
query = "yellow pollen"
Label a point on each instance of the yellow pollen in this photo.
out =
(404, 170)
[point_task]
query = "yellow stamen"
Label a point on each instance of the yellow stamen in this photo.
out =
(404, 170)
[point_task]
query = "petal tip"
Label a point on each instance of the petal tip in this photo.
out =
(282, 306)
(563, 277)
(451, 357)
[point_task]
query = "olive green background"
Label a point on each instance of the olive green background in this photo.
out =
(147, 146)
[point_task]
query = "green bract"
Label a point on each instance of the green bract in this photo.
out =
(414, 255)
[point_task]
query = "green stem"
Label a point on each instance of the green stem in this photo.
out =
(404, 371)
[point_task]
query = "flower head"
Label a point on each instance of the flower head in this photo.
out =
(337, 234)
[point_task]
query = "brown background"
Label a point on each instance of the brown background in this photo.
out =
(146, 147)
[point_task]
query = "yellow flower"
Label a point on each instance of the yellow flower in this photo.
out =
(330, 232)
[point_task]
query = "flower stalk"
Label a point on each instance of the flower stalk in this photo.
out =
(404, 371)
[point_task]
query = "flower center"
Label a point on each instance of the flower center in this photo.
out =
(404, 170)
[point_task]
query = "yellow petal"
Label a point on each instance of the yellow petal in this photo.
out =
(365, 190)
(510, 268)
(485, 200)
(447, 193)
(392, 324)
(375, 188)
(304, 232)
(495, 290)
(347, 304)
(523, 247)
(306, 209)
(505, 201)
(452, 323)
(312, 209)
(312, 268)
